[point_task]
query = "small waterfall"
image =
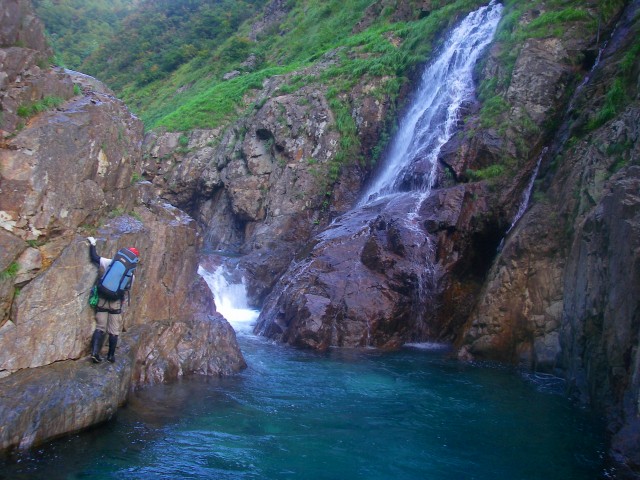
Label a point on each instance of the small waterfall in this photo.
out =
(587, 77)
(526, 195)
(231, 300)
(445, 85)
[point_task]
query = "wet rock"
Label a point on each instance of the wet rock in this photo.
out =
(204, 345)
(601, 327)
(53, 400)
(362, 284)
(540, 78)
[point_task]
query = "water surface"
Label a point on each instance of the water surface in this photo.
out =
(412, 414)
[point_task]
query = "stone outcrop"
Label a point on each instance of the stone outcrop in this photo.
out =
(262, 186)
(274, 13)
(361, 285)
(25, 76)
(68, 395)
(66, 173)
(562, 295)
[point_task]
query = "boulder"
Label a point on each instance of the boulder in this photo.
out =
(364, 283)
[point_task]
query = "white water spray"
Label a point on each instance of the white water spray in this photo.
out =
(231, 300)
(445, 85)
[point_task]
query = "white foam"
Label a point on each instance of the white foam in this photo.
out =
(231, 300)
(428, 345)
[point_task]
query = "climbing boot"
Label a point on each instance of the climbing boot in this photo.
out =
(96, 346)
(113, 341)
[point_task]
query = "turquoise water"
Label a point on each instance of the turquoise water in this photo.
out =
(412, 414)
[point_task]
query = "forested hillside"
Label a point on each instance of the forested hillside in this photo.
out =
(76, 28)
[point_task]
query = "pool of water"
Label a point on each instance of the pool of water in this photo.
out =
(411, 414)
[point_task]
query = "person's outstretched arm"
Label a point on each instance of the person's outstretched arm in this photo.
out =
(95, 258)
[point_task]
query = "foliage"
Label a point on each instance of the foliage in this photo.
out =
(492, 171)
(614, 100)
(76, 28)
(10, 272)
(161, 35)
(617, 97)
(31, 109)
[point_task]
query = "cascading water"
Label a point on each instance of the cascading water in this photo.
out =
(445, 85)
(231, 300)
(526, 195)
(397, 195)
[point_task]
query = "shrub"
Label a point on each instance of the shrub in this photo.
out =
(10, 272)
(492, 171)
(31, 109)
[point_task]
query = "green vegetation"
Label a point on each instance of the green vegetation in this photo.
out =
(47, 103)
(614, 100)
(10, 272)
(76, 28)
(167, 58)
(492, 171)
(159, 36)
(617, 95)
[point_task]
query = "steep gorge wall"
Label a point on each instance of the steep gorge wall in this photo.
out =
(70, 169)
(562, 296)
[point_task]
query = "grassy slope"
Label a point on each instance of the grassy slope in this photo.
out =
(76, 28)
(195, 95)
(310, 31)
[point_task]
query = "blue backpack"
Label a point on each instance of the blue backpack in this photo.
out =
(118, 276)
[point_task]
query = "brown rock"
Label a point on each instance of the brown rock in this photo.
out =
(68, 396)
(363, 284)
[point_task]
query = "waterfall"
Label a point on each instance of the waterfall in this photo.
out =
(587, 77)
(430, 122)
(231, 300)
(526, 195)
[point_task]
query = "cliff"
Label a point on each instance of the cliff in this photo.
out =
(69, 169)
(553, 290)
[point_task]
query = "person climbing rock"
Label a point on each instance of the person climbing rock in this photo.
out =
(116, 276)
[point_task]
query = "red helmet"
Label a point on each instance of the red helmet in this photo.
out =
(134, 250)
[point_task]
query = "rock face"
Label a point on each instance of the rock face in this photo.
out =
(601, 320)
(25, 77)
(361, 285)
(263, 185)
(68, 396)
(562, 295)
(67, 173)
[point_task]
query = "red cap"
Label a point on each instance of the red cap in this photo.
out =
(134, 250)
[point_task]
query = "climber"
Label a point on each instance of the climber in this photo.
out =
(116, 278)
